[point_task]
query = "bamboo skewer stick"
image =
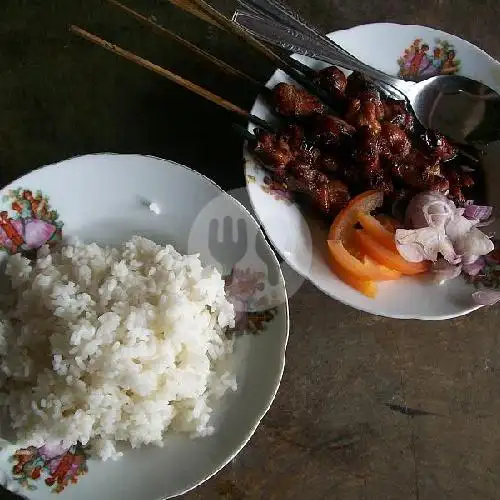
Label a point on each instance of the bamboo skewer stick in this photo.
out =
(236, 30)
(217, 62)
(187, 84)
(290, 66)
(159, 70)
(193, 9)
(243, 132)
(207, 13)
(295, 69)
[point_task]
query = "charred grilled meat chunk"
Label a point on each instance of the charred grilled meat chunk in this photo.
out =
(297, 166)
(294, 102)
(333, 81)
(329, 164)
(394, 143)
(397, 113)
(326, 194)
(357, 84)
(277, 150)
(294, 135)
(365, 108)
(375, 143)
(444, 150)
(390, 142)
(328, 131)
(366, 145)
(458, 182)
(272, 150)
(362, 114)
(420, 173)
(434, 144)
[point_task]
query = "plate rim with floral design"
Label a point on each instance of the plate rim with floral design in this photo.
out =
(59, 469)
(453, 299)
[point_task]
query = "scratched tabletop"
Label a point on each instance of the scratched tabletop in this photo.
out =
(369, 408)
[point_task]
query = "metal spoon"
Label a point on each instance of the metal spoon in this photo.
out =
(465, 110)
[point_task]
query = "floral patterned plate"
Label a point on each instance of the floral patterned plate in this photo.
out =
(412, 52)
(107, 199)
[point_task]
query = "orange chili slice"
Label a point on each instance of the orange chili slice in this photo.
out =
(365, 269)
(348, 217)
(366, 287)
(377, 231)
(387, 257)
(390, 223)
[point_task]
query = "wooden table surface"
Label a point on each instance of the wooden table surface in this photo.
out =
(331, 433)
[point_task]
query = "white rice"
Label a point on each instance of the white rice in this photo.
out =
(102, 345)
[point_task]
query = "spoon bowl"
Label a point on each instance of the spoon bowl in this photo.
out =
(461, 108)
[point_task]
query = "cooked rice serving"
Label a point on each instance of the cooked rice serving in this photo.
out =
(102, 345)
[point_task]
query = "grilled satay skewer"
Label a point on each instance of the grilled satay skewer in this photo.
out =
(361, 105)
(326, 193)
(201, 9)
(193, 48)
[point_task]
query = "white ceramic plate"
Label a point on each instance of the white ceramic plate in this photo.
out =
(301, 241)
(104, 198)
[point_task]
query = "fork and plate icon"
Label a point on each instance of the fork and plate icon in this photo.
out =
(232, 236)
(232, 241)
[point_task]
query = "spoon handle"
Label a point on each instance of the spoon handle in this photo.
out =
(276, 11)
(283, 37)
(277, 24)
